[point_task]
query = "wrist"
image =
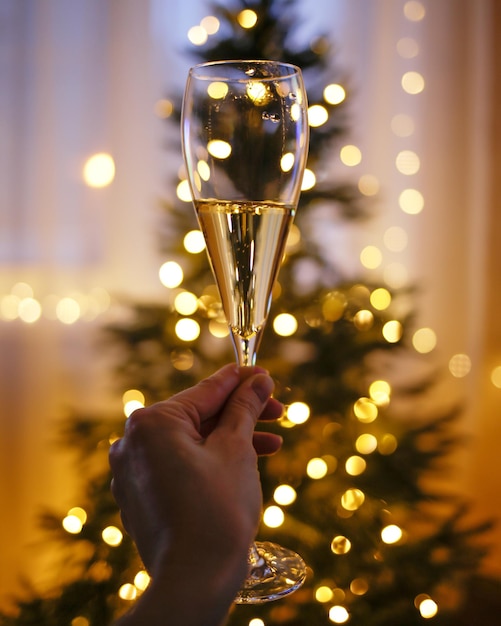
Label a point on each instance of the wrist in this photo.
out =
(199, 593)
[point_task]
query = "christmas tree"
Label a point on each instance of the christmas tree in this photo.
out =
(353, 489)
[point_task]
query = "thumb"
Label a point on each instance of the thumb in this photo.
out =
(245, 405)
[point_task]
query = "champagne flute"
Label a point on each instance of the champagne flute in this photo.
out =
(245, 142)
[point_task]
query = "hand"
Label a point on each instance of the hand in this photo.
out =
(186, 480)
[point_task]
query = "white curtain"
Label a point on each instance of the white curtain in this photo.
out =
(82, 77)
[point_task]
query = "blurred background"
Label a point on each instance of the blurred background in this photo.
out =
(84, 166)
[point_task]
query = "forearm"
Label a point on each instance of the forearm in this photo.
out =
(184, 596)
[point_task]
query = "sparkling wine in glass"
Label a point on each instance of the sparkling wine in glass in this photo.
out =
(245, 142)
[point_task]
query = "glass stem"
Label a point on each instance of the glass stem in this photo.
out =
(246, 347)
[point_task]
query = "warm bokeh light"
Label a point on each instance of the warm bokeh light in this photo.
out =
(67, 310)
(366, 443)
(371, 257)
(164, 108)
(186, 303)
(29, 310)
(317, 468)
(411, 201)
(496, 376)
(334, 93)
(219, 149)
(387, 444)
(171, 274)
(392, 331)
(340, 545)
(218, 329)
(187, 329)
(112, 536)
(323, 594)
(287, 162)
(197, 35)
(309, 180)
(380, 298)
(298, 412)
(396, 275)
(413, 83)
(428, 608)
(365, 410)
(99, 170)
(407, 47)
(424, 340)
(72, 524)
(194, 242)
(285, 324)
(142, 580)
(210, 24)
(182, 360)
(368, 185)
(338, 614)
(355, 465)
(395, 239)
(359, 586)
(334, 305)
(407, 162)
(363, 319)
(460, 365)
(350, 155)
(217, 90)
(80, 620)
(379, 392)
(183, 191)
(128, 592)
(402, 125)
(317, 115)
(352, 499)
(247, 18)
(284, 495)
(256, 621)
(391, 534)
(414, 10)
(273, 516)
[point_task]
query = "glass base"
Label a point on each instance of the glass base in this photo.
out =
(275, 572)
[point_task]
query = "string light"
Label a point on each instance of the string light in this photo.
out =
(317, 468)
(285, 324)
(187, 329)
(317, 115)
(338, 614)
(247, 18)
(412, 83)
(183, 191)
(368, 185)
(460, 365)
(424, 340)
(309, 180)
(350, 155)
(273, 516)
(171, 274)
(334, 93)
(391, 534)
(284, 495)
(371, 257)
(392, 331)
(128, 592)
(496, 376)
(99, 170)
(112, 536)
(194, 242)
(323, 594)
(340, 545)
(366, 443)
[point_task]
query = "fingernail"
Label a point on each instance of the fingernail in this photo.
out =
(263, 386)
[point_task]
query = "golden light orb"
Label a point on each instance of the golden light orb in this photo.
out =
(171, 274)
(460, 365)
(247, 18)
(350, 155)
(355, 465)
(352, 499)
(365, 410)
(309, 180)
(112, 536)
(371, 257)
(284, 495)
(99, 170)
(338, 614)
(273, 516)
(317, 115)
(197, 35)
(298, 412)
(413, 83)
(391, 534)
(334, 93)
(317, 468)
(392, 331)
(323, 594)
(187, 329)
(285, 324)
(424, 340)
(186, 303)
(366, 443)
(340, 545)
(128, 592)
(194, 241)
